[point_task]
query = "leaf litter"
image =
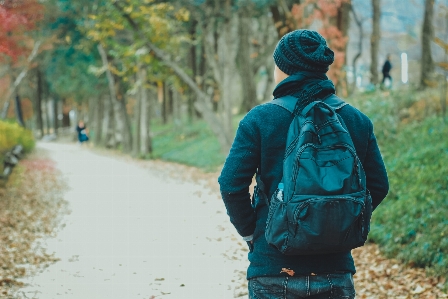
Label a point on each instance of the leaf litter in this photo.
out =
(31, 207)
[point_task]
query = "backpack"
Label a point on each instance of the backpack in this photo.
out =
(322, 204)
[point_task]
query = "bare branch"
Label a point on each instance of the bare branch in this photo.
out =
(19, 78)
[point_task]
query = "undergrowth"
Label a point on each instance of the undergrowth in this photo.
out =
(412, 224)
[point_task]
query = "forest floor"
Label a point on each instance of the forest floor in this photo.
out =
(152, 229)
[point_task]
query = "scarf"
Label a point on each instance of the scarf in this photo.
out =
(306, 86)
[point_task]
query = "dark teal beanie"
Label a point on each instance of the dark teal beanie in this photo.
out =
(303, 50)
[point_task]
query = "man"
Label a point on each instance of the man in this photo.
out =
(386, 70)
(301, 60)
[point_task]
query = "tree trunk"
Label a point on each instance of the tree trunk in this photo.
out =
(149, 112)
(166, 105)
(119, 107)
(245, 61)
(127, 134)
(343, 26)
(145, 138)
(19, 114)
(222, 63)
(38, 103)
(427, 63)
(137, 124)
(358, 55)
(47, 115)
(98, 123)
(110, 138)
(194, 70)
(176, 102)
(65, 115)
(375, 41)
(54, 108)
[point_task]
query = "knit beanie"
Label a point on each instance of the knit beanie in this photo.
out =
(303, 50)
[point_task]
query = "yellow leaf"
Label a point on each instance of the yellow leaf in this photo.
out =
(128, 9)
(441, 43)
(147, 59)
(444, 65)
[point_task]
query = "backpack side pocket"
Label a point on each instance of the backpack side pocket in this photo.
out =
(277, 224)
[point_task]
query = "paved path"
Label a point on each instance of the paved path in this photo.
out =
(134, 232)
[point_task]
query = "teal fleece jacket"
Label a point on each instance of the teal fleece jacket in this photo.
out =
(260, 142)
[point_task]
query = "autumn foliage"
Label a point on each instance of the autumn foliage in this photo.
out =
(328, 15)
(17, 17)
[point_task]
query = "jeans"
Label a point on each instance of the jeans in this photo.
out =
(321, 286)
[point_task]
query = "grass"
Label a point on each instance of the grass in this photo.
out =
(411, 223)
(192, 144)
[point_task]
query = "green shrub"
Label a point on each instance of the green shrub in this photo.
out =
(411, 224)
(12, 134)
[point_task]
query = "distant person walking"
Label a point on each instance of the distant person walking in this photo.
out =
(386, 71)
(82, 132)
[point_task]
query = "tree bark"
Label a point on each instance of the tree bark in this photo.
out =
(427, 63)
(47, 115)
(222, 63)
(119, 107)
(192, 55)
(54, 106)
(244, 59)
(137, 124)
(110, 138)
(358, 55)
(38, 103)
(167, 103)
(145, 138)
(176, 102)
(375, 41)
(19, 114)
(65, 115)
(99, 117)
(149, 112)
(127, 134)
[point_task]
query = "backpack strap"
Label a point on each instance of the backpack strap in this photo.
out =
(287, 102)
(334, 102)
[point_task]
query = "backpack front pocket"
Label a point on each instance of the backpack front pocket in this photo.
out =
(326, 224)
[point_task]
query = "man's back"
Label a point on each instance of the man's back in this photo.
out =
(302, 59)
(261, 142)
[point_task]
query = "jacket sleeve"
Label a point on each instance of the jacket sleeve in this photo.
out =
(236, 177)
(376, 175)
